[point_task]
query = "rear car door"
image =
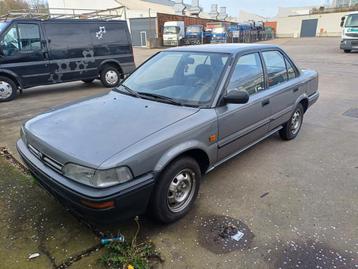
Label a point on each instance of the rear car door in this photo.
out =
(25, 53)
(240, 125)
(283, 85)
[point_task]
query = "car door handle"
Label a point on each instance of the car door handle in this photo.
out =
(295, 90)
(265, 102)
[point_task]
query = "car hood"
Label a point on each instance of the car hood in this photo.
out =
(91, 131)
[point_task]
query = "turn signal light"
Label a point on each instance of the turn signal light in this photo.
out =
(98, 205)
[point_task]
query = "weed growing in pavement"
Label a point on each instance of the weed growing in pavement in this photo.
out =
(129, 254)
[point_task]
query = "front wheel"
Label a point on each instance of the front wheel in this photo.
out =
(347, 51)
(291, 128)
(8, 89)
(176, 190)
(110, 76)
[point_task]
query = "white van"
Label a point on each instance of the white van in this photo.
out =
(174, 32)
(349, 40)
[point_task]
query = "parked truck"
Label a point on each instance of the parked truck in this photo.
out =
(219, 31)
(173, 33)
(349, 40)
(196, 34)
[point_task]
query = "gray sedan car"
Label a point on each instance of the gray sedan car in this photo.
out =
(146, 144)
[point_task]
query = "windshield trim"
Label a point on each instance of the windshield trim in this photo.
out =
(220, 82)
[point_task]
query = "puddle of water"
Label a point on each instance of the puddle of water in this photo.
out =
(313, 255)
(218, 233)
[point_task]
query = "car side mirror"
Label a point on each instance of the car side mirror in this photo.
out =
(236, 97)
(342, 21)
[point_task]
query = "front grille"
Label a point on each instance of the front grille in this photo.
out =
(352, 34)
(53, 164)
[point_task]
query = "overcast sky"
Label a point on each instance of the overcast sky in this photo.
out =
(267, 8)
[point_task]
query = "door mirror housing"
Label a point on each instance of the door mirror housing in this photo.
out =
(236, 97)
(342, 21)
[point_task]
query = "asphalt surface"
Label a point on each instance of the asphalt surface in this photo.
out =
(296, 201)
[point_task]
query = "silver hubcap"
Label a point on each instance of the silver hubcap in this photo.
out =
(5, 90)
(181, 190)
(296, 122)
(111, 77)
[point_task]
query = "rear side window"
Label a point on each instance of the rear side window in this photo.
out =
(248, 74)
(29, 36)
(276, 67)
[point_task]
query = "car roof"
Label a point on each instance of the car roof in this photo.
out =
(223, 48)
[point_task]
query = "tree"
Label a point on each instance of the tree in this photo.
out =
(8, 5)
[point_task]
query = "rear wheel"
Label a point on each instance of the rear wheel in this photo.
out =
(110, 76)
(291, 128)
(176, 190)
(347, 51)
(8, 89)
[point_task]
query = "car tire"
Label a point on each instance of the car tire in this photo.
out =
(90, 80)
(176, 190)
(8, 89)
(110, 76)
(291, 128)
(347, 51)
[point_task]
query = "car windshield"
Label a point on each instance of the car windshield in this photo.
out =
(187, 78)
(218, 30)
(171, 29)
(352, 20)
(193, 29)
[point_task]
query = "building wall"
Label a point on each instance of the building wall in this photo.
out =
(138, 25)
(328, 24)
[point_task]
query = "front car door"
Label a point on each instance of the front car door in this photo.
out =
(24, 53)
(283, 86)
(240, 125)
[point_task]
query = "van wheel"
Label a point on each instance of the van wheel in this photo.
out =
(88, 80)
(176, 190)
(347, 51)
(110, 76)
(8, 89)
(291, 128)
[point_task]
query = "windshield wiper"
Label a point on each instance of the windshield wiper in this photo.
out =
(128, 90)
(161, 98)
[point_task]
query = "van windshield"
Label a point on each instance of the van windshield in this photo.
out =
(171, 29)
(3, 26)
(352, 20)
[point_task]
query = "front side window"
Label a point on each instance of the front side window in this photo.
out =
(276, 67)
(23, 37)
(10, 43)
(248, 75)
(29, 36)
(190, 78)
(290, 70)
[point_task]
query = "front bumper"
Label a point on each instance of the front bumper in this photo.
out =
(130, 199)
(313, 98)
(349, 44)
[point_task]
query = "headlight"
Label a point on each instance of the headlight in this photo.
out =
(97, 178)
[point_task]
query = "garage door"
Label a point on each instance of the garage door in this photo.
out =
(309, 28)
